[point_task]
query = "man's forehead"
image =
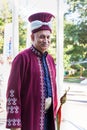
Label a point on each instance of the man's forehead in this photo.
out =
(43, 32)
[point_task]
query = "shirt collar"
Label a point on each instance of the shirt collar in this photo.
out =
(37, 52)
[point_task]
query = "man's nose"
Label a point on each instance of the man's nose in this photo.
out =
(46, 39)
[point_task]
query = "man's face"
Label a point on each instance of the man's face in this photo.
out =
(41, 40)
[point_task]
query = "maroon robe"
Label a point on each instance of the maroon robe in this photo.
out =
(25, 93)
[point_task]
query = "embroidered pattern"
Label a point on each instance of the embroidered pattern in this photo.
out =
(14, 122)
(38, 53)
(51, 79)
(42, 112)
(12, 103)
(12, 108)
(35, 51)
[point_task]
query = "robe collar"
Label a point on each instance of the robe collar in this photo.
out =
(37, 52)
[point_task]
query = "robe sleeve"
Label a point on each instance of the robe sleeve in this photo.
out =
(13, 100)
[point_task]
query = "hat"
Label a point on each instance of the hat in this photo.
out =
(41, 21)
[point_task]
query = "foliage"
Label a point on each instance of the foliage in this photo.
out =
(75, 32)
(52, 48)
(5, 17)
(22, 34)
(84, 73)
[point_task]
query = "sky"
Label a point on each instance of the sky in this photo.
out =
(28, 7)
(39, 5)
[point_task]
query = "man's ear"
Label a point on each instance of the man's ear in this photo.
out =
(32, 37)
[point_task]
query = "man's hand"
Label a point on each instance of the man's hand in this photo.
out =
(64, 97)
(15, 128)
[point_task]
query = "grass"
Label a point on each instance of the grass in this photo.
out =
(73, 79)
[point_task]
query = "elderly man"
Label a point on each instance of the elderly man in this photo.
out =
(31, 92)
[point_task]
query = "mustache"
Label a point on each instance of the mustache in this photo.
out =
(45, 43)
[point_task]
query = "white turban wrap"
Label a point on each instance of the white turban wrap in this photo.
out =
(37, 24)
